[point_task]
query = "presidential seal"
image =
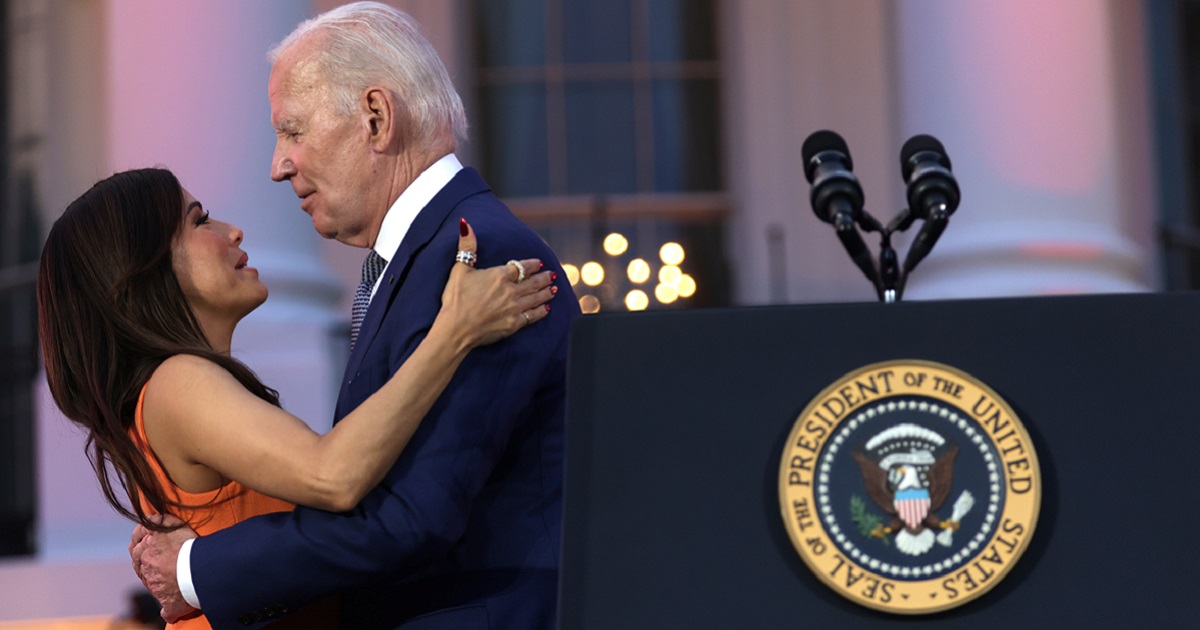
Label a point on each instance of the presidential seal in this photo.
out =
(909, 487)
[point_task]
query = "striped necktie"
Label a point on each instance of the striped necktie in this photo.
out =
(372, 267)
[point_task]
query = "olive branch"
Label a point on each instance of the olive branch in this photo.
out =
(866, 521)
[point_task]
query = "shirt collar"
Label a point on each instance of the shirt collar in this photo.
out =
(409, 204)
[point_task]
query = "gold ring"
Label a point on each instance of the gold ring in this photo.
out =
(520, 270)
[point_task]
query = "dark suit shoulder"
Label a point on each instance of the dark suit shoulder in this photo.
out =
(502, 235)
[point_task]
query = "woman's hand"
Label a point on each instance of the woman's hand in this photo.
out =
(482, 306)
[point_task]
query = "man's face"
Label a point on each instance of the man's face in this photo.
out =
(323, 154)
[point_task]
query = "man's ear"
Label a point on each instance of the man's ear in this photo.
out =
(379, 108)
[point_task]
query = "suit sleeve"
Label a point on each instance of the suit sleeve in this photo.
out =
(269, 565)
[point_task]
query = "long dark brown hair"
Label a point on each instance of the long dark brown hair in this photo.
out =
(110, 311)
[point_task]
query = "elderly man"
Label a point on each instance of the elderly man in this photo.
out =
(464, 531)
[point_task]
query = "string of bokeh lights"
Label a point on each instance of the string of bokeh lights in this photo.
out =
(673, 284)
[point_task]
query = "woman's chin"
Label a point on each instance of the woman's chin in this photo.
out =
(252, 305)
(259, 302)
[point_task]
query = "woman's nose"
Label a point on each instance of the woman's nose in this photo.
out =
(235, 234)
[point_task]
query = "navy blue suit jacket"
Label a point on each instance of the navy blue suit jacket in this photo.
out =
(464, 531)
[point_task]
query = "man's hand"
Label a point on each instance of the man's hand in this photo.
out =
(154, 555)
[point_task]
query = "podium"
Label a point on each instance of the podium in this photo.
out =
(677, 422)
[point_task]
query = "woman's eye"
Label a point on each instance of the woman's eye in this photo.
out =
(202, 219)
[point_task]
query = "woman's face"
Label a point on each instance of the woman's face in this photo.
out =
(211, 267)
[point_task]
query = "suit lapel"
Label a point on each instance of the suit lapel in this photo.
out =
(466, 182)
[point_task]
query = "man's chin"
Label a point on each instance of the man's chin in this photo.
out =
(351, 238)
(324, 230)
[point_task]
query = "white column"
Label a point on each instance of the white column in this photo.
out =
(188, 90)
(1024, 96)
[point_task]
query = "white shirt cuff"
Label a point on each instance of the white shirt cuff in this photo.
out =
(183, 573)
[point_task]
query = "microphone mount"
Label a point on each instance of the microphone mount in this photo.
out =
(933, 196)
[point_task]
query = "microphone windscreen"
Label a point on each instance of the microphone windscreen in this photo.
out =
(820, 141)
(921, 143)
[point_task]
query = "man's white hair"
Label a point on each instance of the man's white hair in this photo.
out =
(369, 43)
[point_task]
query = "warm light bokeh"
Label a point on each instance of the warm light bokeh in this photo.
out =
(637, 300)
(572, 273)
(666, 293)
(615, 244)
(638, 270)
(589, 304)
(686, 286)
(591, 273)
(671, 253)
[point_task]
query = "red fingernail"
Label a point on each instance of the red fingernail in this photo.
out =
(540, 265)
(462, 227)
(547, 308)
(553, 290)
(553, 276)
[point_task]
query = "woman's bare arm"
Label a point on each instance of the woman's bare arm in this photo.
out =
(205, 427)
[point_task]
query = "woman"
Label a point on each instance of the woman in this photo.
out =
(139, 292)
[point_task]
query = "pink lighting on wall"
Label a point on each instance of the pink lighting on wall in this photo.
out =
(1062, 251)
(1038, 74)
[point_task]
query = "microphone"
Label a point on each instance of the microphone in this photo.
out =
(933, 193)
(837, 197)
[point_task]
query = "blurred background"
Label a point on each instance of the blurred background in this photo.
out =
(655, 144)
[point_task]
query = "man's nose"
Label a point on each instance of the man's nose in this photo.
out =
(281, 166)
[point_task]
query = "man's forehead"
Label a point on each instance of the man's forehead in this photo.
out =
(297, 66)
(287, 105)
(295, 86)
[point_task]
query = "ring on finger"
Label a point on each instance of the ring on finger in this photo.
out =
(520, 272)
(527, 320)
(465, 257)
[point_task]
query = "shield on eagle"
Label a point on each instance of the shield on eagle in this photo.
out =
(912, 506)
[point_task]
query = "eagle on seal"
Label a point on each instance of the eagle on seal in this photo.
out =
(895, 484)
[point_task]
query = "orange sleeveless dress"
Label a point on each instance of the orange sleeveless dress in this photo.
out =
(217, 509)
